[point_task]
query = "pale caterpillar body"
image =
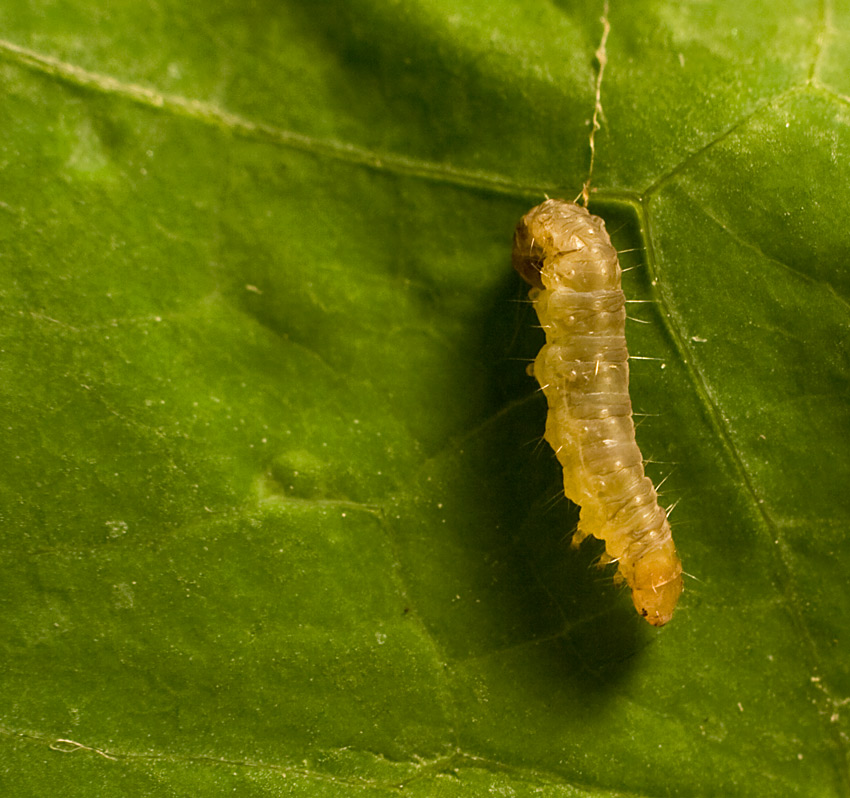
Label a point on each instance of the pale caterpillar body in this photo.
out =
(566, 255)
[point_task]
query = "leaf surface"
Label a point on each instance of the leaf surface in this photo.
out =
(277, 518)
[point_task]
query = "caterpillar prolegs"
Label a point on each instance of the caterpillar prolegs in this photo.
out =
(583, 369)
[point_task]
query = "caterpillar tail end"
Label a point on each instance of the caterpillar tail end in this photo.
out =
(657, 586)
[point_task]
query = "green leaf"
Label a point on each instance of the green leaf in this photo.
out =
(277, 519)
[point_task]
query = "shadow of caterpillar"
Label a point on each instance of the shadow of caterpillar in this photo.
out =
(583, 369)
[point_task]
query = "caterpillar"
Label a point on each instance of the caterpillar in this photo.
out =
(566, 256)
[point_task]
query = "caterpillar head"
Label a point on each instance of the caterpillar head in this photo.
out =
(527, 254)
(657, 585)
(536, 232)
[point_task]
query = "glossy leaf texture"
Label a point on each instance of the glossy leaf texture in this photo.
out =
(277, 519)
